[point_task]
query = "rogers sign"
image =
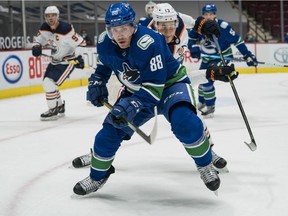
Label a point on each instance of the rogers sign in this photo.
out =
(12, 69)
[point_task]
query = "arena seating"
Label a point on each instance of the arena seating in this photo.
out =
(268, 15)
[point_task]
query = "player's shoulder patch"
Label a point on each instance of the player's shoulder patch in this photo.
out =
(101, 37)
(145, 41)
(224, 24)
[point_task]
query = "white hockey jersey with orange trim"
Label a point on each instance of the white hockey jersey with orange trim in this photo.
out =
(63, 41)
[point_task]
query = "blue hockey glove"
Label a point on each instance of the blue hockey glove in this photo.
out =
(80, 62)
(195, 52)
(221, 73)
(97, 91)
(125, 109)
(207, 27)
(250, 59)
(37, 50)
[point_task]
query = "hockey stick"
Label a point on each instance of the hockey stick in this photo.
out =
(240, 60)
(148, 138)
(267, 63)
(219, 57)
(252, 145)
(70, 62)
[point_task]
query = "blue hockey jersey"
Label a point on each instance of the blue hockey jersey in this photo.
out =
(144, 21)
(145, 68)
(228, 37)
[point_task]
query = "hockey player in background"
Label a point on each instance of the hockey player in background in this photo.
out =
(142, 62)
(144, 21)
(170, 23)
(63, 40)
(200, 44)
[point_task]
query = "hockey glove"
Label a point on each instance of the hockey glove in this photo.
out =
(125, 109)
(97, 91)
(79, 62)
(195, 52)
(37, 50)
(214, 72)
(250, 59)
(207, 27)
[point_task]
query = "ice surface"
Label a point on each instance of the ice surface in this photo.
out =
(36, 178)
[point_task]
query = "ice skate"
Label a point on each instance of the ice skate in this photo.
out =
(200, 106)
(82, 161)
(50, 115)
(208, 111)
(219, 163)
(89, 185)
(61, 110)
(210, 177)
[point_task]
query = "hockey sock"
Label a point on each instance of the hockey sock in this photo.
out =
(107, 142)
(188, 128)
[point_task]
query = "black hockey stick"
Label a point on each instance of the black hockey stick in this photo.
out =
(252, 145)
(72, 61)
(241, 60)
(148, 138)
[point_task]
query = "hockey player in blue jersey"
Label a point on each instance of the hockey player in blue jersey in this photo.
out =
(63, 41)
(200, 44)
(169, 23)
(144, 21)
(142, 62)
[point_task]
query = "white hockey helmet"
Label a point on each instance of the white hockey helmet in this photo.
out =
(149, 8)
(52, 10)
(164, 12)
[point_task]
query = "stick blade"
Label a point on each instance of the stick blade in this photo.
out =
(252, 145)
(154, 129)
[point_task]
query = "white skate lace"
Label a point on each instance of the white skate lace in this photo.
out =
(208, 173)
(48, 111)
(89, 184)
(86, 159)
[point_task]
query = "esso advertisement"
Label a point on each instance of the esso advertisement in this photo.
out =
(12, 69)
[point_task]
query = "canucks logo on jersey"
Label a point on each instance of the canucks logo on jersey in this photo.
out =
(129, 76)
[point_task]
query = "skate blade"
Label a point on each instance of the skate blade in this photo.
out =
(60, 115)
(210, 115)
(54, 118)
(222, 170)
(72, 167)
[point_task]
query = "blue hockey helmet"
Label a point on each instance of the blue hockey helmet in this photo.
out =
(209, 8)
(119, 14)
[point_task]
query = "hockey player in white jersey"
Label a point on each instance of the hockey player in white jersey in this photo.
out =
(171, 25)
(63, 41)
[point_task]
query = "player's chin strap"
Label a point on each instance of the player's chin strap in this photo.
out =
(148, 138)
(252, 145)
(71, 61)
